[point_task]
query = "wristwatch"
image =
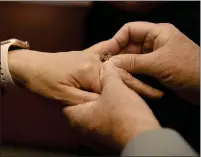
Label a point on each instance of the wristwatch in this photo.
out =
(6, 80)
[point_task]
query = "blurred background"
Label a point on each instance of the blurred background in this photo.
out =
(48, 26)
(66, 26)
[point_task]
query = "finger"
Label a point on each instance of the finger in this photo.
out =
(139, 87)
(136, 63)
(73, 96)
(110, 46)
(132, 49)
(80, 115)
(112, 84)
(109, 76)
(133, 31)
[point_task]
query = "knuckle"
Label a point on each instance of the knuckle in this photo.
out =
(60, 98)
(128, 77)
(172, 31)
(88, 65)
(126, 26)
(171, 26)
(167, 25)
(125, 75)
(85, 98)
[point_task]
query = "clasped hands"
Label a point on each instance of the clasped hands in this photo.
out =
(104, 97)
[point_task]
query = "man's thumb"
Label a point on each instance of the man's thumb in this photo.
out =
(109, 75)
(134, 63)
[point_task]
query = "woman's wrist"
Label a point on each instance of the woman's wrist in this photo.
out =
(20, 64)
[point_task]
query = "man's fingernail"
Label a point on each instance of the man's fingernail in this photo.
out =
(107, 65)
(115, 61)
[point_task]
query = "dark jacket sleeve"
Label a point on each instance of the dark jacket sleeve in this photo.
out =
(159, 142)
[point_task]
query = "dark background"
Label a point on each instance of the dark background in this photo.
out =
(48, 26)
(103, 21)
(75, 26)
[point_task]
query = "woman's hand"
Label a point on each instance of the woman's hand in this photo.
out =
(71, 77)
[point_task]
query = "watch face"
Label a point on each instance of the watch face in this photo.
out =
(23, 44)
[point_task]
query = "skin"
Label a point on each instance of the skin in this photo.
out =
(163, 52)
(120, 115)
(117, 114)
(116, 117)
(69, 77)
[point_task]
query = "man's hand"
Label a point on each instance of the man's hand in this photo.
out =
(72, 77)
(161, 51)
(118, 116)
